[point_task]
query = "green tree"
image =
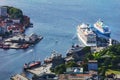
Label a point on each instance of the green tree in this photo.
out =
(71, 64)
(15, 13)
(60, 69)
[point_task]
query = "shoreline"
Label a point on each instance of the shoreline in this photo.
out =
(19, 44)
(12, 28)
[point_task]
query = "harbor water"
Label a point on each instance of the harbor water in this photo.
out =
(56, 21)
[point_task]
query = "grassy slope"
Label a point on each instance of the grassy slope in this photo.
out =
(109, 71)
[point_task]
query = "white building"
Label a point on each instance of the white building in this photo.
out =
(3, 11)
(16, 20)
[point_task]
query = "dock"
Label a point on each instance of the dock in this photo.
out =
(41, 69)
(18, 77)
(20, 41)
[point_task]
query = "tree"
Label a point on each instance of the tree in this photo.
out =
(60, 69)
(14, 13)
(71, 64)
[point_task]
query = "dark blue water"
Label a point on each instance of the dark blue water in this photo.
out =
(56, 20)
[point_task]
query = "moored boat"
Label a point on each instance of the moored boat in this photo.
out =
(6, 46)
(53, 56)
(74, 49)
(101, 29)
(31, 65)
(86, 35)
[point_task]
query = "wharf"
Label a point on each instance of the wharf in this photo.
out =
(41, 69)
(18, 77)
(20, 41)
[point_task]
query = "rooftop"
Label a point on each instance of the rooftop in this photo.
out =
(93, 61)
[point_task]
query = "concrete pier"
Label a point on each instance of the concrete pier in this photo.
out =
(18, 77)
(41, 70)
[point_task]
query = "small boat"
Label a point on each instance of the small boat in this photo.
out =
(24, 46)
(74, 49)
(31, 65)
(53, 56)
(48, 60)
(1, 45)
(31, 24)
(6, 47)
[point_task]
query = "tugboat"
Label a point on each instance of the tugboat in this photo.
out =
(31, 65)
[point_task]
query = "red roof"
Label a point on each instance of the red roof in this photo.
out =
(78, 75)
(15, 26)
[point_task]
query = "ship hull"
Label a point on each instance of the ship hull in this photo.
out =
(101, 34)
(31, 65)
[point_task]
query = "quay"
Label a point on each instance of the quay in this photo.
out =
(40, 70)
(12, 29)
(19, 77)
(20, 41)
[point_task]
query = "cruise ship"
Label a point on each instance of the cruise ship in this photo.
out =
(86, 35)
(101, 29)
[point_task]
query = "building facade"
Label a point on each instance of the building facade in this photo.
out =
(3, 11)
(92, 65)
(74, 76)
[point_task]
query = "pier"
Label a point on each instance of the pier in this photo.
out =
(20, 41)
(19, 77)
(41, 69)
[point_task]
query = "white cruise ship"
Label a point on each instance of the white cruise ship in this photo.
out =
(86, 35)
